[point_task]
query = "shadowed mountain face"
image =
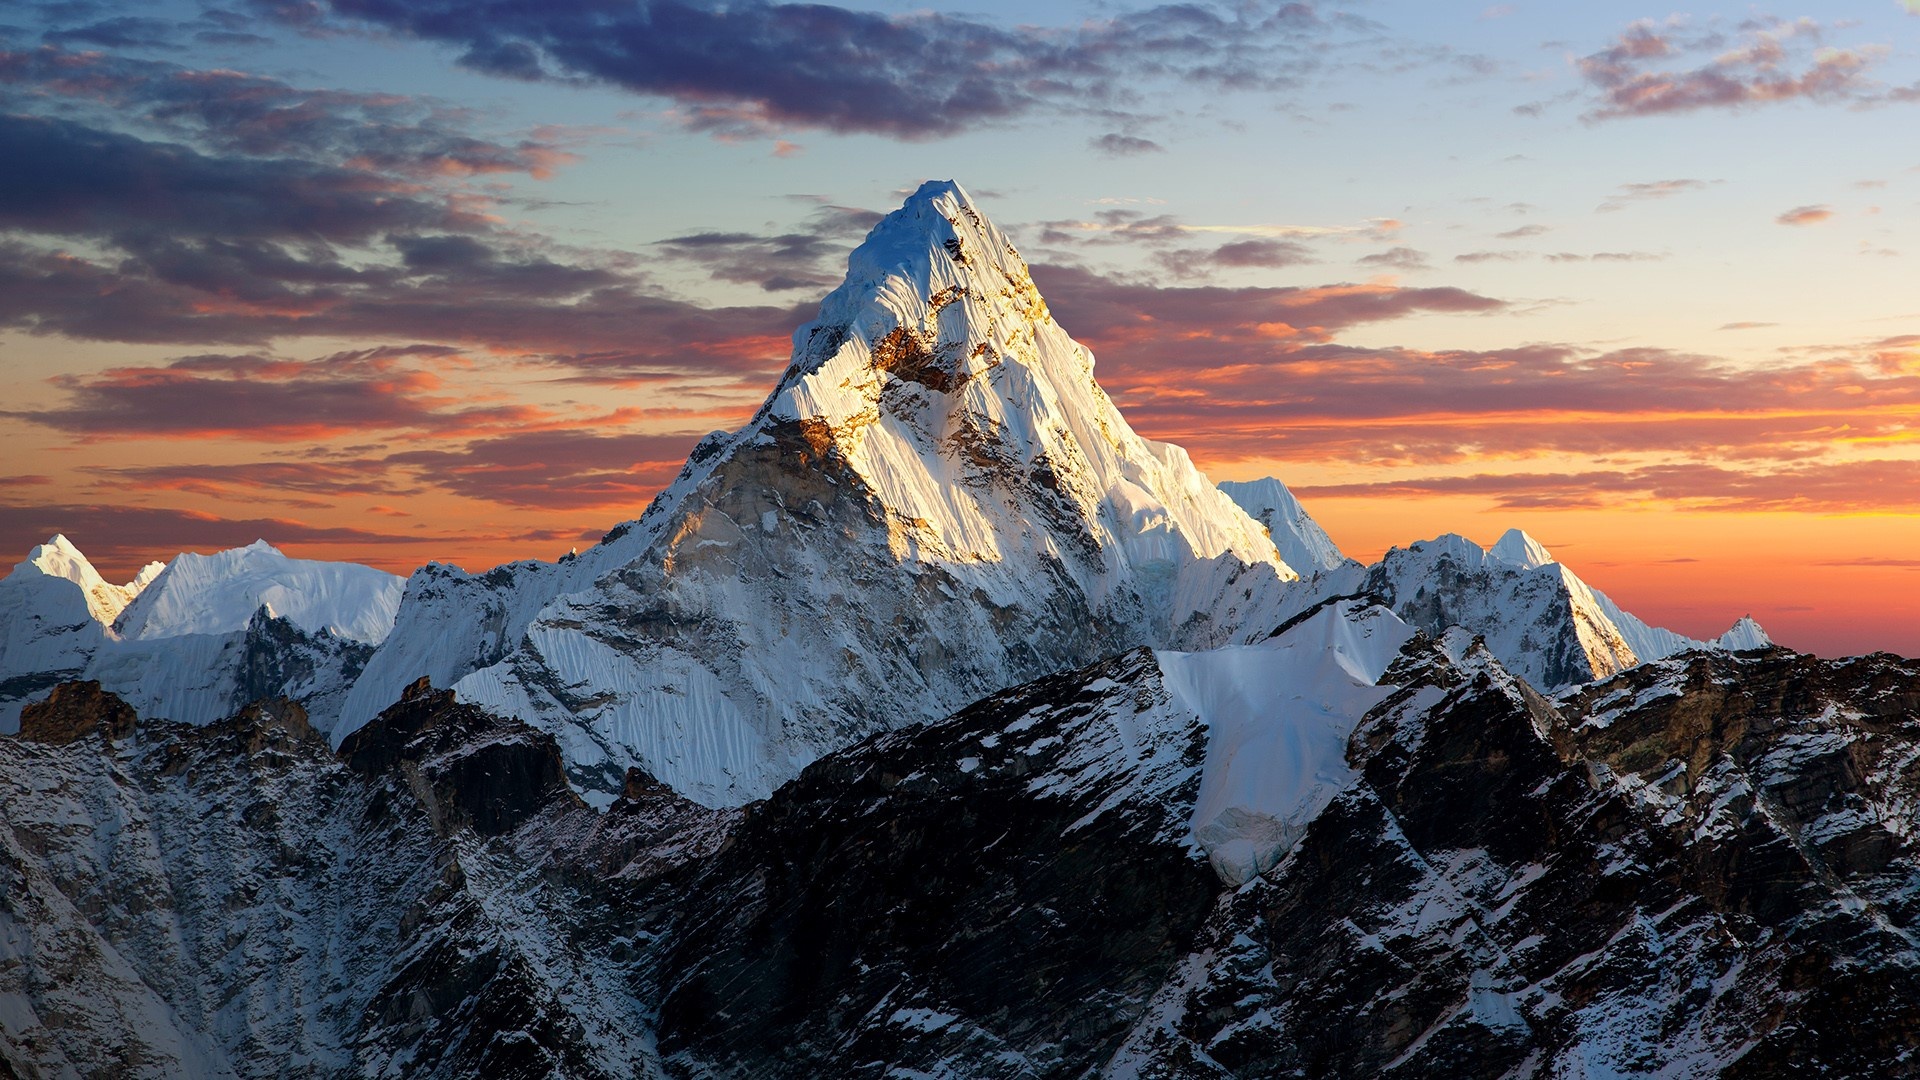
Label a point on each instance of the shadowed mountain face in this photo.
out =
(1697, 868)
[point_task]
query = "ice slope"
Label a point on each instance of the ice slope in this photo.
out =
(1278, 716)
(218, 593)
(1302, 542)
(936, 501)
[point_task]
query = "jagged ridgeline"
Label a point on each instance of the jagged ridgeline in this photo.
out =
(937, 724)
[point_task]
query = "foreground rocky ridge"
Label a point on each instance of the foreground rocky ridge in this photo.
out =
(1702, 866)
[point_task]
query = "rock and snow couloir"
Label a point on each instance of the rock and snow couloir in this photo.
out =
(936, 501)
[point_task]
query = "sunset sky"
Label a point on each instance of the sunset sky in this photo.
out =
(400, 280)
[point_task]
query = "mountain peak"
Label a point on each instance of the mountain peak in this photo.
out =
(1302, 542)
(935, 501)
(1516, 548)
(59, 558)
(934, 295)
(1745, 634)
(219, 594)
(936, 374)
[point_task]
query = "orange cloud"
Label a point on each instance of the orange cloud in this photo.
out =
(1805, 215)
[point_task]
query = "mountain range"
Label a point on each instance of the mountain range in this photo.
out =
(936, 722)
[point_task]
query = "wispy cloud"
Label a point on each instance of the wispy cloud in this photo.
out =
(1655, 69)
(763, 67)
(1113, 144)
(1628, 194)
(1805, 215)
(1396, 258)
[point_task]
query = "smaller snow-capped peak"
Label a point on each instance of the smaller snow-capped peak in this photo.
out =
(1536, 615)
(1302, 542)
(1517, 549)
(59, 558)
(1745, 634)
(219, 594)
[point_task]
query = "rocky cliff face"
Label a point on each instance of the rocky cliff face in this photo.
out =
(1701, 867)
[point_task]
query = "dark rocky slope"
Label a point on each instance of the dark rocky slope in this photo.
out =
(1700, 867)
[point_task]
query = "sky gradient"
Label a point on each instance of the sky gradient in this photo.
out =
(396, 281)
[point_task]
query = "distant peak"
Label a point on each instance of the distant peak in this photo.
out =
(1516, 548)
(1745, 634)
(59, 558)
(933, 189)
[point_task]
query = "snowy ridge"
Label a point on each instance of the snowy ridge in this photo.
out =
(1745, 634)
(451, 623)
(218, 593)
(55, 610)
(1538, 617)
(936, 501)
(195, 639)
(58, 558)
(1518, 549)
(1302, 542)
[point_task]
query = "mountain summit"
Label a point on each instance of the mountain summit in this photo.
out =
(935, 502)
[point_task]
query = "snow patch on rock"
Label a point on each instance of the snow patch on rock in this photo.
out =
(1278, 716)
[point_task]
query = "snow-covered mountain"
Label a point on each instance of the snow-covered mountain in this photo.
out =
(196, 638)
(1302, 542)
(219, 593)
(936, 501)
(1536, 615)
